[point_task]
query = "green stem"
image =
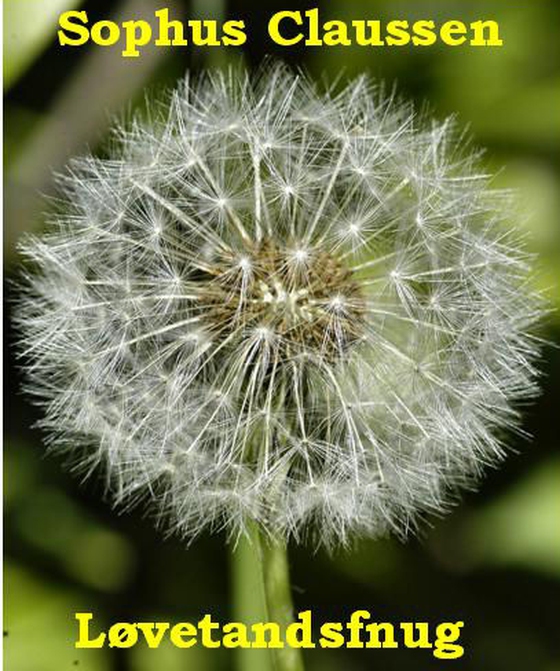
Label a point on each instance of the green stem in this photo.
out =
(278, 597)
(248, 601)
(261, 593)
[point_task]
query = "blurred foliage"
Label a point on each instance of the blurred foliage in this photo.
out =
(33, 605)
(520, 528)
(28, 29)
(494, 562)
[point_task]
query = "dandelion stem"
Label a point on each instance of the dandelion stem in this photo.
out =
(248, 602)
(261, 593)
(278, 597)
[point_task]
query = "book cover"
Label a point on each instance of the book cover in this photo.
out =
(281, 324)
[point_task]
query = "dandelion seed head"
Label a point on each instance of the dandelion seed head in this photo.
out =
(273, 303)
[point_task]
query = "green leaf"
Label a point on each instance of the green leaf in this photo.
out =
(521, 528)
(39, 625)
(29, 25)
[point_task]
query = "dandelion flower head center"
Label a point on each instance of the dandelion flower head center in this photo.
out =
(285, 293)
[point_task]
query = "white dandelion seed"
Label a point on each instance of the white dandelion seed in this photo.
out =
(274, 304)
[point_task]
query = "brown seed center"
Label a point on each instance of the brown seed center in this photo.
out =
(308, 299)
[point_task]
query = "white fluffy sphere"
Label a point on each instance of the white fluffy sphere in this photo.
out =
(277, 304)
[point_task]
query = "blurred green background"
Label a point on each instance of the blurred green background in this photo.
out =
(494, 562)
